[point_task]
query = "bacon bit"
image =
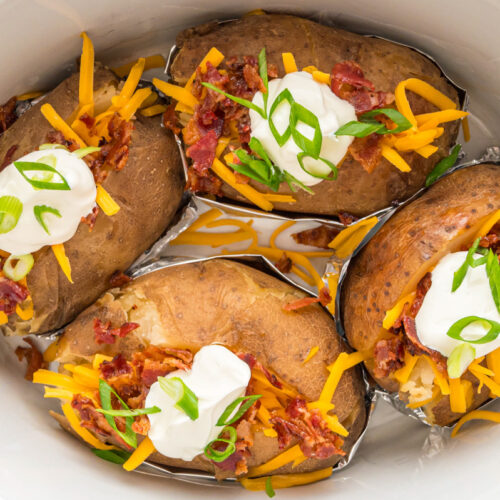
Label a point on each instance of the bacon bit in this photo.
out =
(57, 137)
(389, 356)
(422, 288)
(316, 439)
(105, 334)
(203, 152)
(241, 178)
(367, 151)
(300, 303)
(251, 76)
(91, 218)
(118, 279)
(33, 357)
(347, 218)
(114, 368)
(284, 264)
(8, 156)
(249, 359)
(324, 296)
(273, 380)
(349, 83)
(141, 425)
(170, 120)
(88, 120)
(8, 114)
(492, 239)
(319, 236)
(208, 184)
(11, 294)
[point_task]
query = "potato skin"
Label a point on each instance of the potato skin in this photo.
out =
(148, 190)
(223, 301)
(384, 63)
(422, 229)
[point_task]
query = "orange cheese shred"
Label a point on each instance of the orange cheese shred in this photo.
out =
(286, 480)
(106, 202)
(392, 156)
(129, 109)
(476, 415)
(63, 260)
(211, 239)
(312, 352)
(59, 124)
(204, 219)
(440, 379)
(3, 318)
(156, 109)
(279, 198)
(393, 314)
(142, 452)
(25, 314)
(155, 61)
(280, 460)
(488, 224)
(278, 231)
(403, 374)
(458, 403)
(349, 238)
(86, 87)
(74, 421)
(289, 62)
(178, 93)
(493, 362)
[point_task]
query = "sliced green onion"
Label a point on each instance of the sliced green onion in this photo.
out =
(220, 456)
(246, 401)
(493, 272)
(130, 413)
(269, 488)
(52, 146)
(393, 114)
(455, 331)
(260, 167)
(368, 125)
(359, 129)
(291, 181)
(185, 399)
(281, 139)
(442, 166)
(299, 114)
(31, 166)
(40, 210)
(263, 75)
(239, 100)
(10, 211)
(459, 275)
(80, 153)
(114, 456)
(49, 160)
(329, 164)
(460, 358)
(16, 267)
(105, 391)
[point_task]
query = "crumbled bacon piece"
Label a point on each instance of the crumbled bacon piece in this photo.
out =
(203, 152)
(284, 264)
(91, 218)
(422, 288)
(8, 114)
(57, 137)
(388, 356)
(347, 218)
(11, 294)
(492, 239)
(33, 357)
(367, 151)
(106, 334)
(349, 83)
(319, 236)
(88, 120)
(208, 184)
(324, 296)
(118, 279)
(8, 156)
(248, 358)
(114, 368)
(316, 439)
(170, 120)
(241, 178)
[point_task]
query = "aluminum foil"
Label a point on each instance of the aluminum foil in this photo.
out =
(232, 205)
(491, 155)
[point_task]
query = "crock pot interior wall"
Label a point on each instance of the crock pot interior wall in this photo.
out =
(40, 39)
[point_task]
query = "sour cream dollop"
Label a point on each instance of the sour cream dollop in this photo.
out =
(442, 307)
(332, 113)
(217, 378)
(29, 236)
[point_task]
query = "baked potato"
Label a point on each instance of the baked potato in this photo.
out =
(146, 184)
(404, 282)
(366, 179)
(179, 311)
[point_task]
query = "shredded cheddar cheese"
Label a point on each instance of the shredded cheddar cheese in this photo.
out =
(29, 95)
(154, 110)
(476, 415)
(312, 352)
(142, 452)
(86, 88)
(279, 198)
(287, 480)
(289, 62)
(493, 362)
(3, 318)
(403, 374)
(278, 231)
(50, 353)
(127, 111)
(440, 379)
(59, 124)
(280, 460)
(98, 359)
(74, 421)
(178, 93)
(211, 239)
(393, 314)
(321, 77)
(488, 224)
(25, 314)
(332, 280)
(348, 239)
(106, 202)
(458, 402)
(63, 260)
(156, 61)
(245, 226)
(204, 219)
(392, 156)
